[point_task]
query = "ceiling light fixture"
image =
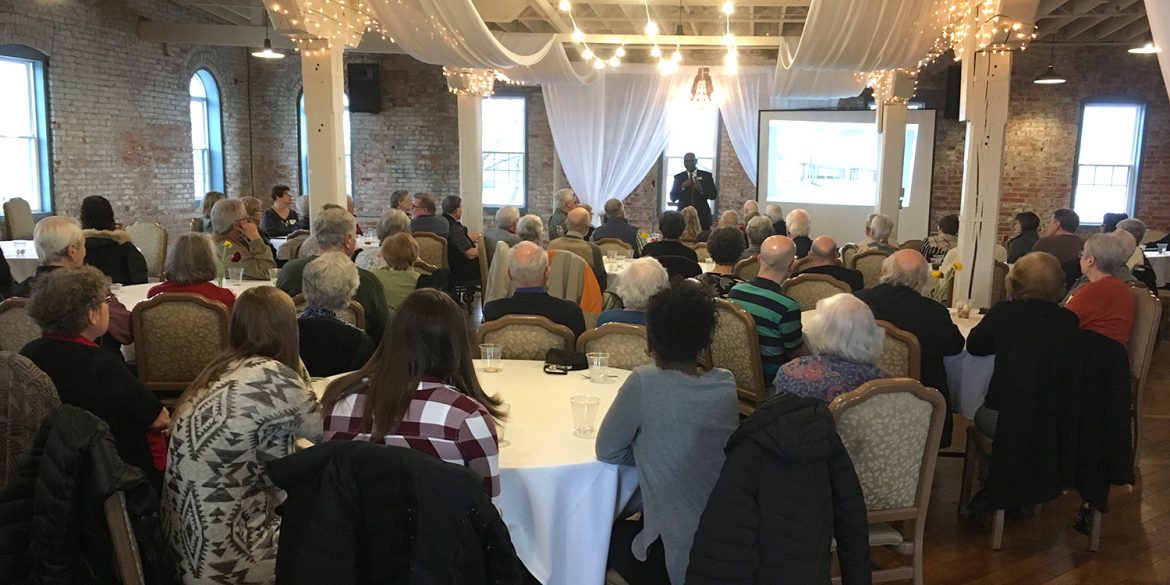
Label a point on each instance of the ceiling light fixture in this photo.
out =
(1050, 77)
(267, 52)
(1146, 49)
(701, 87)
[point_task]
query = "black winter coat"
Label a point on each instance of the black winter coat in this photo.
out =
(363, 513)
(113, 253)
(786, 490)
(52, 522)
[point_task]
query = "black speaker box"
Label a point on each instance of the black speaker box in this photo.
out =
(365, 88)
(954, 91)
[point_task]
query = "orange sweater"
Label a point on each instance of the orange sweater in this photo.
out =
(1105, 306)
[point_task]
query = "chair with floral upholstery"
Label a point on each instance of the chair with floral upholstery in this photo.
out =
(175, 336)
(869, 263)
(901, 353)
(891, 429)
(432, 248)
(16, 326)
(28, 397)
(525, 337)
(1147, 318)
(615, 244)
(736, 347)
(808, 289)
(354, 314)
(999, 273)
(625, 344)
(848, 251)
(151, 240)
(747, 268)
(18, 215)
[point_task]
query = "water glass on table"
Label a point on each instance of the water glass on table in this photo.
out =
(584, 415)
(1161, 248)
(598, 366)
(502, 424)
(492, 356)
(236, 275)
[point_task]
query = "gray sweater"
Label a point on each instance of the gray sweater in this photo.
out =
(672, 427)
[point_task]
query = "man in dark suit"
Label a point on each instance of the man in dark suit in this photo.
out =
(692, 188)
(528, 269)
(823, 258)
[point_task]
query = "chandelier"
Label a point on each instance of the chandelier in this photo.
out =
(467, 81)
(701, 87)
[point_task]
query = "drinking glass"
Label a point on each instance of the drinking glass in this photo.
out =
(611, 254)
(1161, 248)
(598, 367)
(502, 424)
(491, 354)
(236, 275)
(584, 415)
(272, 273)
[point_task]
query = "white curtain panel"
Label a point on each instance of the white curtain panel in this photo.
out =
(451, 33)
(609, 133)
(1158, 13)
(555, 67)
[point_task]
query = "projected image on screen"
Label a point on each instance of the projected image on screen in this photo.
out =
(822, 162)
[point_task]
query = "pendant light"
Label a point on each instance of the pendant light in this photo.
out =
(1050, 76)
(267, 52)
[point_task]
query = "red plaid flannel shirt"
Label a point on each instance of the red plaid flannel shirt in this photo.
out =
(440, 421)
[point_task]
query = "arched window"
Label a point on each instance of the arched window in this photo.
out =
(206, 134)
(303, 132)
(24, 127)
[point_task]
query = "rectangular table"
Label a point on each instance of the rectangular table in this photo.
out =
(22, 259)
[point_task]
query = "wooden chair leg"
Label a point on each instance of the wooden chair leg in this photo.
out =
(997, 530)
(1095, 532)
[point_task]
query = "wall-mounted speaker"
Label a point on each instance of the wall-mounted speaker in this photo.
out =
(364, 88)
(954, 92)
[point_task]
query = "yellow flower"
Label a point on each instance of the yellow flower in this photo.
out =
(227, 244)
(936, 273)
(958, 265)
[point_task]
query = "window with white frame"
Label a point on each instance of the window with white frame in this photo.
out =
(206, 134)
(1108, 158)
(691, 127)
(304, 145)
(24, 127)
(505, 151)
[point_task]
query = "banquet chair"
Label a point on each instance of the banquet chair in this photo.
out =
(911, 245)
(901, 353)
(701, 251)
(127, 560)
(291, 248)
(891, 429)
(355, 314)
(736, 347)
(151, 239)
(869, 263)
(432, 248)
(747, 268)
(680, 267)
(1147, 318)
(525, 337)
(1152, 236)
(808, 289)
(29, 397)
(800, 263)
(848, 251)
(175, 336)
(625, 344)
(999, 272)
(16, 326)
(483, 269)
(197, 224)
(19, 217)
(615, 244)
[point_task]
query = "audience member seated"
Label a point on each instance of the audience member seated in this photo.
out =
(881, 228)
(725, 247)
(824, 258)
(776, 214)
(1061, 240)
(393, 221)
(636, 283)
(504, 231)
(205, 206)
(759, 228)
(400, 200)
(845, 342)
(281, 219)
(70, 307)
(400, 277)
(191, 266)
(750, 206)
(946, 238)
(564, 201)
(1035, 285)
(777, 316)
(670, 421)
(107, 247)
(588, 209)
(1104, 305)
(671, 225)
(1138, 264)
(6, 281)
(691, 226)
(245, 409)
(528, 269)
(898, 299)
(420, 391)
(330, 346)
(231, 225)
(865, 242)
(1027, 224)
(530, 228)
(799, 226)
(255, 209)
(462, 254)
(576, 225)
(615, 225)
(60, 243)
(423, 209)
(335, 232)
(730, 218)
(1110, 221)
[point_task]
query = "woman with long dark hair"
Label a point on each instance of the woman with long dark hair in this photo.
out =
(423, 365)
(107, 246)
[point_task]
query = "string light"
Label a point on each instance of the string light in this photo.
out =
(565, 6)
(467, 81)
(587, 53)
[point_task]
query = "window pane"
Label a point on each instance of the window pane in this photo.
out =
(197, 88)
(503, 136)
(18, 166)
(503, 124)
(1107, 134)
(17, 113)
(199, 162)
(691, 127)
(503, 179)
(1110, 139)
(198, 124)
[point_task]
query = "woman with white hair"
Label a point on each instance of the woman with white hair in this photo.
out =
(238, 237)
(635, 285)
(881, 228)
(330, 346)
(393, 221)
(799, 226)
(1104, 305)
(529, 228)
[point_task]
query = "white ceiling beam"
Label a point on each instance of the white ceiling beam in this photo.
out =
(1048, 6)
(684, 40)
(552, 15)
(227, 35)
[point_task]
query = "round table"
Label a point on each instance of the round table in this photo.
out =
(131, 295)
(1160, 263)
(614, 267)
(558, 500)
(22, 259)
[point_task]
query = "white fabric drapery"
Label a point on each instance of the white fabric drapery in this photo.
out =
(1158, 13)
(609, 133)
(451, 33)
(555, 67)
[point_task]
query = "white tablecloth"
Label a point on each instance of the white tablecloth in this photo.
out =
(22, 266)
(1160, 262)
(133, 294)
(558, 501)
(613, 267)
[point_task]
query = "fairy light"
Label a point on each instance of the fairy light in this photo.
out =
(565, 6)
(588, 53)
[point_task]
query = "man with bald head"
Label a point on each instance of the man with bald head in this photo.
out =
(898, 299)
(823, 258)
(528, 269)
(576, 226)
(776, 315)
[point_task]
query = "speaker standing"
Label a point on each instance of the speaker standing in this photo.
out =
(692, 188)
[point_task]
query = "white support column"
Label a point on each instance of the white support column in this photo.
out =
(986, 89)
(891, 159)
(470, 109)
(323, 75)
